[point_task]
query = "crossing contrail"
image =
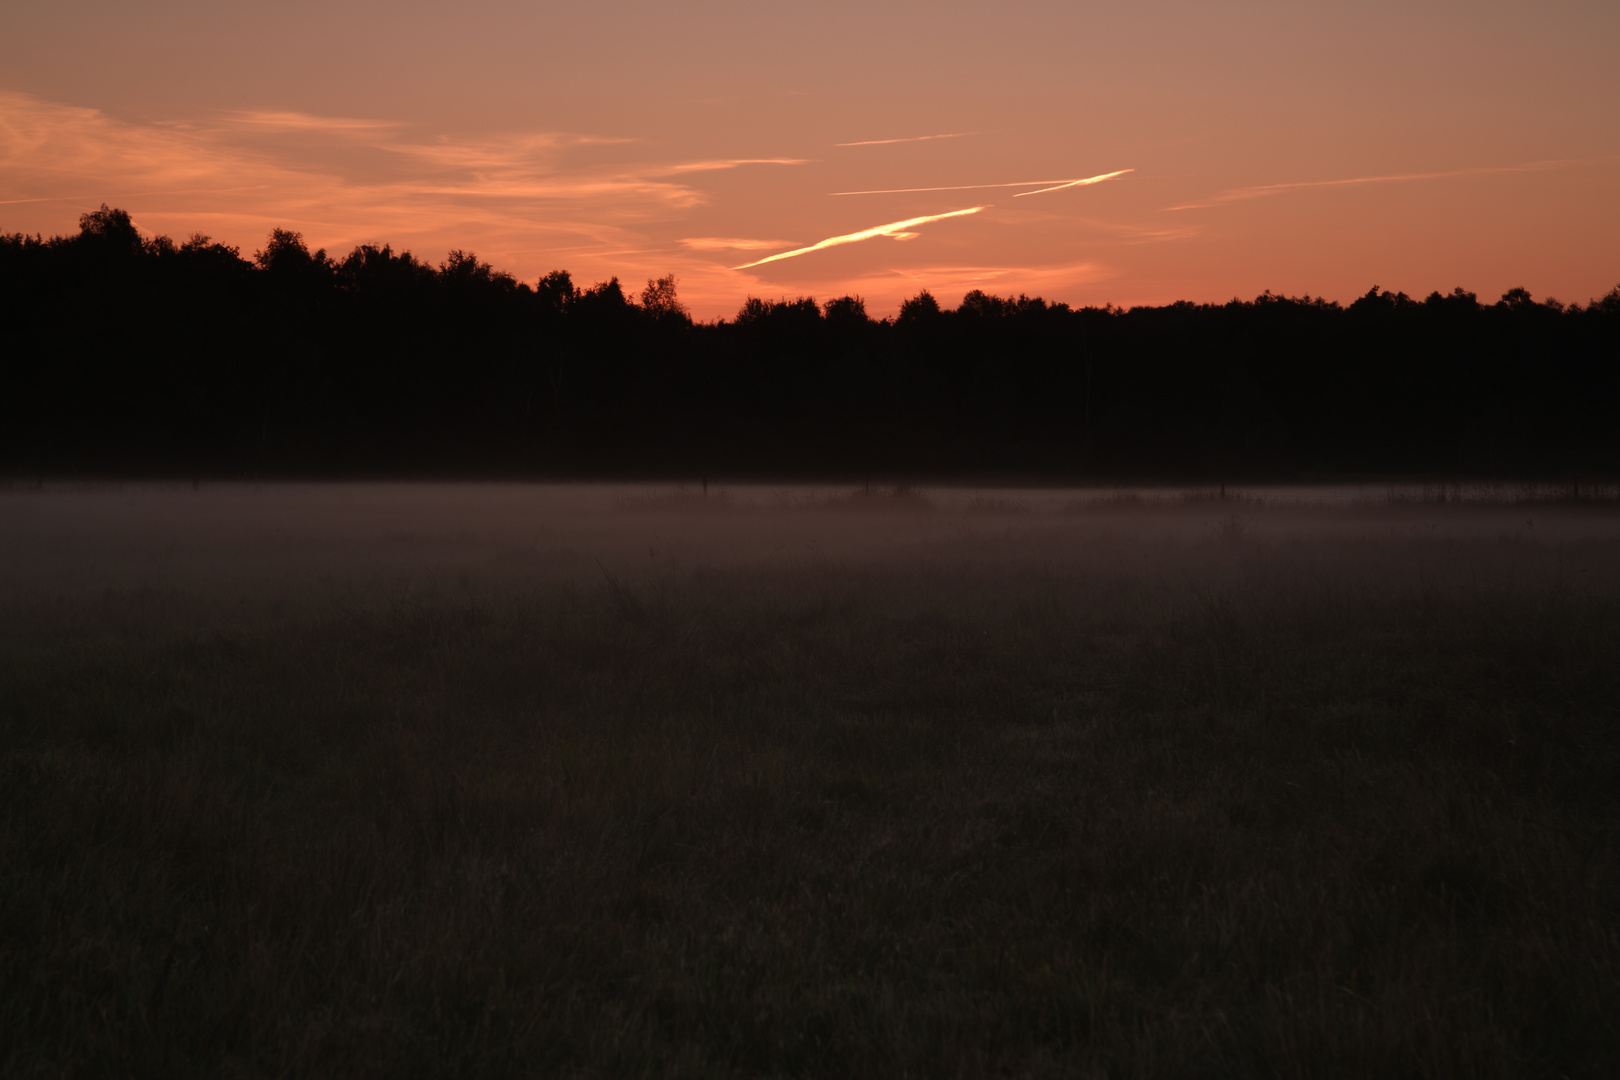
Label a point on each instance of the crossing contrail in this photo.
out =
(1057, 185)
(1076, 183)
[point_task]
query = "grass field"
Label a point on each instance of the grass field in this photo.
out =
(510, 781)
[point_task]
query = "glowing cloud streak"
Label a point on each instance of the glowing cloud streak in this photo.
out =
(914, 138)
(895, 229)
(1088, 181)
(730, 243)
(266, 120)
(732, 163)
(1057, 185)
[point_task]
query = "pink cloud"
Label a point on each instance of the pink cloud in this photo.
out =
(235, 176)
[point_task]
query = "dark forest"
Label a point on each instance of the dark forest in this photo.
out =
(130, 356)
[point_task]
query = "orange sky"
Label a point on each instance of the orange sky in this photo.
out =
(1299, 147)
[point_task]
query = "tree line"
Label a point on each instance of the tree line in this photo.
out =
(146, 357)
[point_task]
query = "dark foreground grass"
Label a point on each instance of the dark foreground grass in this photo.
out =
(884, 818)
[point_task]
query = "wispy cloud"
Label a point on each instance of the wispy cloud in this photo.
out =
(530, 151)
(894, 229)
(529, 202)
(730, 243)
(913, 138)
(732, 163)
(970, 277)
(1261, 191)
(242, 171)
(83, 197)
(1055, 185)
(265, 120)
(1112, 232)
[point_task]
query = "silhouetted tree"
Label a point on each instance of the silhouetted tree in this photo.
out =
(603, 302)
(136, 355)
(556, 292)
(658, 299)
(110, 233)
(286, 254)
(847, 311)
(919, 308)
(753, 310)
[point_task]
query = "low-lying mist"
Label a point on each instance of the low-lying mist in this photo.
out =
(309, 544)
(517, 780)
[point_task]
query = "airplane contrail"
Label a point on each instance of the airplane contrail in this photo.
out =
(914, 138)
(1076, 183)
(1057, 185)
(1260, 191)
(896, 229)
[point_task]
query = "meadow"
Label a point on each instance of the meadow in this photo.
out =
(518, 780)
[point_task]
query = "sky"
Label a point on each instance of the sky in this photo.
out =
(875, 149)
